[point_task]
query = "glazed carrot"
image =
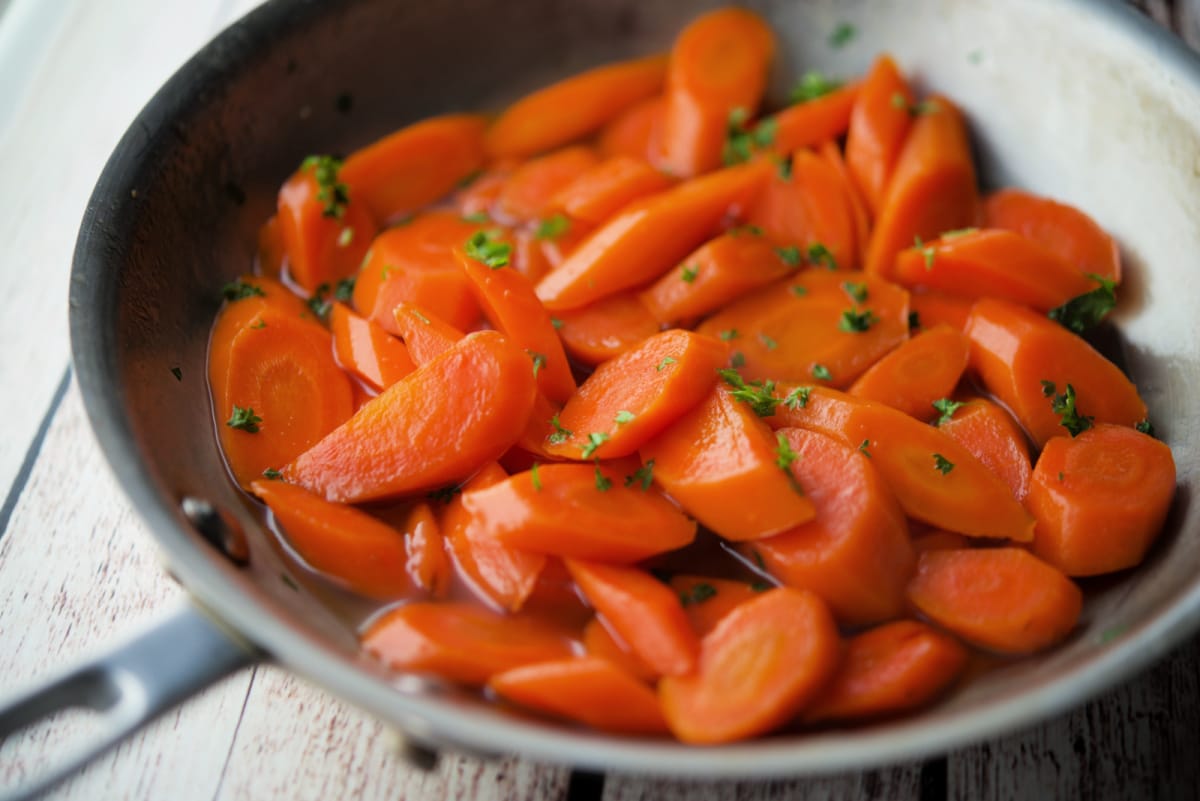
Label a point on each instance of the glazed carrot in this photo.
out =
(509, 303)
(762, 665)
(461, 641)
(815, 408)
(932, 188)
(649, 236)
(599, 192)
(917, 373)
(994, 438)
(1064, 230)
(556, 598)
(1003, 599)
(574, 107)
(715, 274)
(642, 611)
(425, 335)
(635, 132)
(416, 165)
(933, 308)
(531, 254)
(721, 463)
(366, 350)
(361, 552)
(415, 263)
(1018, 354)
(859, 211)
(630, 399)
(283, 393)
(500, 575)
(599, 642)
(1100, 499)
(272, 253)
(605, 329)
(813, 328)
(889, 669)
(478, 194)
(577, 510)
(718, 64)
(879, 125)
(427, 562)
(708, 600)
(483, 391)
(995, 264)
(325, 231)
(810, 123)
(592, 691)
(529, 193)
(855, 554)
(939, 540)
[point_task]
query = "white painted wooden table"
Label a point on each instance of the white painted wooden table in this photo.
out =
(77, 568)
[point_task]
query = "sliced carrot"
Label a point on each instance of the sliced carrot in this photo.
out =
(889, 669)
(879, 125)
(574, 107)
(1065, 230)
(416, 165)
(509, 303)
(934, 308)
(592, 691)
(366, 350)
(427, 563)
(917, 373)
(635, 132)
(761, 666)
(272, 253)
(576, 510)
(601, 191)
(642, 611)
(425, 335)
(810, 123)
(461, 641)
(483, 391)
(1003, 599)
(993, 436)
(717, 273)
(815, 408)
(479, 193)
(932, 188)
(813, 328)
(1100, 499)
(718, 64)
(325, 230)
(992, 263)
(859, 211)
(599, 642)
(529, 255)
(630, 399)
(708, 600)
(649, 236)
(720, 462)
(556, 598)
(1019, 354)
(529, 193)
(855, 554)
(939, 540)
(605, 329)
(357, 550)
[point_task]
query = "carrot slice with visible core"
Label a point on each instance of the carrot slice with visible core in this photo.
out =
(920, 371)
(992, 435)
(1064, 230)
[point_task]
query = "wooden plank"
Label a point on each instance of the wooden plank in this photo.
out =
(899, 783)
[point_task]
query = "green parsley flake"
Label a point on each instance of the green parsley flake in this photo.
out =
(240, 290)
(767, 342)
(789, 255)
(595, 440)
(799, 290)
(812, 85)
(1070, 418)
(624, 417)
(244, 420)
(842, 35)
(689, 273)
(271, 474)
(738, 359)
(534, 478)
(946, 408)
(857, 291)
(560, 434)
(783, 166)
(539, 360)
(1084, 312)
(914, 320)
(667, 360)
(728, 335)
(856, 322)
(331, 192)
(557, 323)
(444, 494)
(958, 233)
(699, 593)
(821, 256)
(319, 303)
(603, 482)
(747, 230)
(553, 227)
(485, 247)
(821, 372)
(863, 448)
(175, 371)
(758, 395)
(259, 324)
(927, 252)
(344, 291)
(1048, 389)
(784, 455)
(741, 141)
(1145, 427)
(345, 237)
(479, 217)
(643, 475)
(942, 464)
(758, 559)
(797, 398)
(760, 586)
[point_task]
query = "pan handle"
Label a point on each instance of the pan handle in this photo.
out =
(128, 686)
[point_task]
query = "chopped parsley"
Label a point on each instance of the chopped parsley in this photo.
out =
(319, 303)
(942, 464)
(946, 408)
(741, 140)
(927, 252)
(557, 323)
(595, 440)
(331, 192)
(863, 448)
(738, 359)
(812, 84)
(244, 420)
(842, 35)
(1145, 427)
(539, 360)
(485, 247)
(444, 494)
(758, 395)
(643, 475)
(728, 334)
(760, 586)
(624, 417)
(259, 325)
(480, 217)
(783, 166)
(821, 372)
(553, 227)
(899, 101)
(345, 237)
(271, 474)
(1069, 416)
(821, 256)
(784, 455)
(1084, 312)
(603, 482)
(914, 320)
(1048, 388)
(175, 371)
(856, 322)
(344, 291)
(789, 255)
(857, 291)
(688, 274)
(240, 290)
(747, 230)
(699, 593)
(767, 342)
(534, 478)
(560, 434)
(959, 232)
(667, 360)
(797, 398)
(799, 290)
(758, 559)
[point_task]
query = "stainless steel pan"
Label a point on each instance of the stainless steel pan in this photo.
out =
(1080, 99)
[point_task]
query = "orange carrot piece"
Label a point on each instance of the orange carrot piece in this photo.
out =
(531, 254)
(480, 192)
(934, 308)
(718, 63)
(642, 611)
(761, 666)
(272, 253)
(592, 691)
(815, 408)
(879, 125)
(605, 329)
(483, 391)
(917, 373)
(1064, 230)
(859, 212)
(630, 399)
(599, 642)
(855, 554)
(720, 462)
(529, 193)
(359, 551)
(1015, 352)
(1003, 599)
(574, 107)
(813, 328)
(601, 191)
(579, 511)
(810, 123)
(461, 642)
(425, 335)
(717, 273)
(324, 237)
(427, 562)
(940, 540)
(1100, 499)
(416, 165)
(992, 263)
(932, 188)
(366, 350)
(635, 132)
(708, 600)
(649, 236)
(991, 434)
(892, 668)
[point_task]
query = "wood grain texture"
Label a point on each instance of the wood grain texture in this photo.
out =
(900, 783)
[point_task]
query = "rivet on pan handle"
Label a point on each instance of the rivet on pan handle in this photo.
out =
(128, 686)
